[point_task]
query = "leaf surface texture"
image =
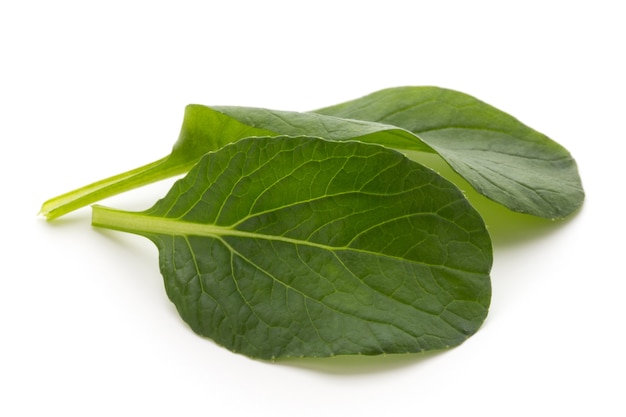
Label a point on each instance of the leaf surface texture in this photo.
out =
(300, 246)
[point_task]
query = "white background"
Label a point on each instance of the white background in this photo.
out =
(89, 89)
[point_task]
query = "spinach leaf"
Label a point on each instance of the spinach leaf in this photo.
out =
(206, 129)
(203, 130)
(500, 157)
(301, 246)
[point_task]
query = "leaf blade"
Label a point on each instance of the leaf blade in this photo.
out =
(284, 275)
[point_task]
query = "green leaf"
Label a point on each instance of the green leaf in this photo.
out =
(328, 127)
(499, 156)
(300, 246)
(206, 129)
(203, 130)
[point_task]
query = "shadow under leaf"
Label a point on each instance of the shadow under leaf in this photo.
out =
(350, 365)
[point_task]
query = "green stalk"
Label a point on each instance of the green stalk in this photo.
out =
(114, 219)
(159, 170)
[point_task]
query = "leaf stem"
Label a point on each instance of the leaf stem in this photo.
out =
(147, 174)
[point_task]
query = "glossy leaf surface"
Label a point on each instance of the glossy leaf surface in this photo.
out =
(282, 246)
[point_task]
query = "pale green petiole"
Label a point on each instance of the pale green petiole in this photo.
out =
(99, 190)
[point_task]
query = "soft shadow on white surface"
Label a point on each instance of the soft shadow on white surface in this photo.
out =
(350, 365)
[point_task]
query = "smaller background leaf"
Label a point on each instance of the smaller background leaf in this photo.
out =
(498, 155)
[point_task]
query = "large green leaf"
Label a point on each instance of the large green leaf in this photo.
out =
(498, 155)
(300, 246)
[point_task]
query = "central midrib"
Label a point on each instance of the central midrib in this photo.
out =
(142, 224)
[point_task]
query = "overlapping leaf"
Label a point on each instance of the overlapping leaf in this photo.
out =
(500, 157)
(283, 246)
